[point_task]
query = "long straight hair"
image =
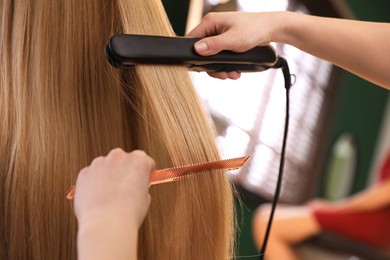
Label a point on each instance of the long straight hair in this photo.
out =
(61, 105)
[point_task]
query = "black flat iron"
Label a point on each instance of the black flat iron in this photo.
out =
(126, 50)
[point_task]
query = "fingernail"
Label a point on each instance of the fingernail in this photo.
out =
(201, 47)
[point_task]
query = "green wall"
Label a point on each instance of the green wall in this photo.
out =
(376, 10)
(361, 104)
(245, 211)
(177, 12)
(360, 112)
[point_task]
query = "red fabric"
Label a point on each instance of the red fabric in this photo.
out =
(372, 227)
(385, 169)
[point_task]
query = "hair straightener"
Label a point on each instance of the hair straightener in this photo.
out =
(128, 50)
(125, 50)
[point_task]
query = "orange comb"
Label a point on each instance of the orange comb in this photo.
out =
(176, 173)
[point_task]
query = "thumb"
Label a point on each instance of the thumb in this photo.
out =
(214, 44)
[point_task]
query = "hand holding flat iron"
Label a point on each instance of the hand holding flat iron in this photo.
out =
(356, 46)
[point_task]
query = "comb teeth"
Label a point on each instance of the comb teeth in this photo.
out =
(176, 173)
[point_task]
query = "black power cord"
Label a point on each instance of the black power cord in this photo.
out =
(281, 63)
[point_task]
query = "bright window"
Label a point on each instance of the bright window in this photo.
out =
(249, 116)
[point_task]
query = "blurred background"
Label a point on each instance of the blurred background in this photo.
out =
(338, 124)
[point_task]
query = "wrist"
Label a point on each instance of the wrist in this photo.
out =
(113, 238)
(286, 27)
(107, 218)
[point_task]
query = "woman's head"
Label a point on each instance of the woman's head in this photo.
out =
(62, 104)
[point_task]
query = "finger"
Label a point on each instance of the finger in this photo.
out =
(218, 75)
(141, 156)
(234, 75)
(116, 152)
(214, 44)
(225, 75)
(97, 160)
(208, 26)
(198, 32)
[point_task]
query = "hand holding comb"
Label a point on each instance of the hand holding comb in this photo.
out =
(176, 173)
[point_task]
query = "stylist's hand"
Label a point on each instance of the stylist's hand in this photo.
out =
(234, 31)
(111, 202)
(115, 186)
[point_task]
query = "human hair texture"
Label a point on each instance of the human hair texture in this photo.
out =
(62, 104)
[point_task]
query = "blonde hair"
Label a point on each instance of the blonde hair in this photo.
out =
(61, 105)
